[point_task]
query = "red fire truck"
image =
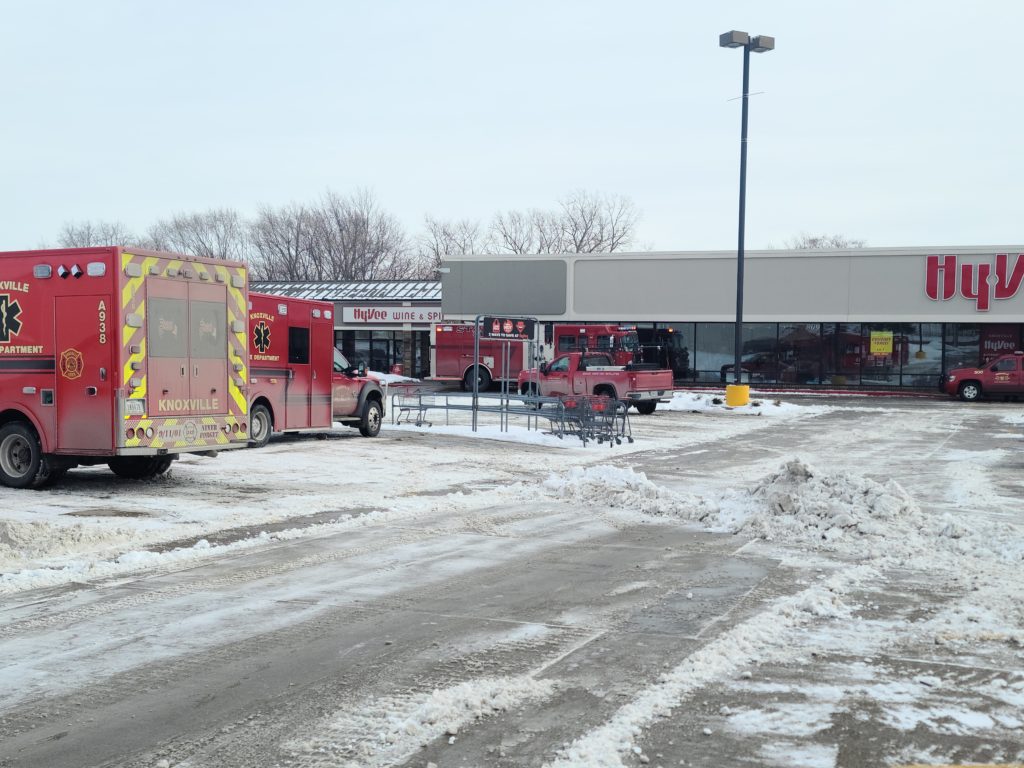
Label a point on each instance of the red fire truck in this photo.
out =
(452, 350)
(300, 382)
(118, 356)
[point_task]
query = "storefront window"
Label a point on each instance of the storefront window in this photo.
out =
(884, 349)
(841, 353)
(963, 345)
(800, 353)
(668, 345)
(714, 349)
(922, 363)
(760, 358)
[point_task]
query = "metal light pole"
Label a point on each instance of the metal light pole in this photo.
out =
(758, 44)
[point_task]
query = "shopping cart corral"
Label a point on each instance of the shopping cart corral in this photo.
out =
(592, 417)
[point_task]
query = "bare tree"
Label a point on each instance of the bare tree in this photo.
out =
(280, 243)
(808, 242)
(218, 233)
(597, 223)
(87, 234)
(514, 232)
(583, 223)
(353, 239)
(447, 238)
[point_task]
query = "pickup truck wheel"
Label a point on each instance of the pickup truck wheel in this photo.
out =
(260, 426)
(483, 377)
(530, 390)
(970, 391)
(21, 455)
(605, 391)
(646, 407)
(369, 426)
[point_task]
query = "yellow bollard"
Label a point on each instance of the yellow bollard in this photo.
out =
(737, 394)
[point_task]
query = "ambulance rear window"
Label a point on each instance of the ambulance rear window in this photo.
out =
(298, 345)
(207, 328)
(167, 321)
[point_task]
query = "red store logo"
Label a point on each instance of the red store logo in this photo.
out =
(945, 278)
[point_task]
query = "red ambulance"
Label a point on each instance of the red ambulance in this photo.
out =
(118, 356)
(299, 381)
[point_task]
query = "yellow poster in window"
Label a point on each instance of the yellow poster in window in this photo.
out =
(881, 342)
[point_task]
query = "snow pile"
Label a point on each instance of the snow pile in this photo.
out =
(22, 541)
(799, 504)
(854, 515)
(703, 402)
(386, 730)
(623, 488)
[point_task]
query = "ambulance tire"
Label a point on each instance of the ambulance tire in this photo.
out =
(373, 417)
(139, 467)
(646, 407)
(970, 391)
(21, 455)
(260, 426)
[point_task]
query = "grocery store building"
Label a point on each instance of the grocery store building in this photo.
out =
(869, 317)
(383, 324)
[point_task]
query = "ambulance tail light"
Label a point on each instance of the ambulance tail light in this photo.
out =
(130, 433)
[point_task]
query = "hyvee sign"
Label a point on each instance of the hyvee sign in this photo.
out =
(946, 277)
(370, 315)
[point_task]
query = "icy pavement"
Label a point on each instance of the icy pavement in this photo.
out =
(834, 586)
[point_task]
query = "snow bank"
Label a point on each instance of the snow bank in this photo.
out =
(624, 488)
(22, 541)
(386, 730)
(842, 512)
(702, 402)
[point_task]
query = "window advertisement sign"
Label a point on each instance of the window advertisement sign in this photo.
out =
(511, 328)
(881, 343)
(998, 340)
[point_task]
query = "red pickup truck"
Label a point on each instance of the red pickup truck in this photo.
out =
(1001, 376)
(577, 373)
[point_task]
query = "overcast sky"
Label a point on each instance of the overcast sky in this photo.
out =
(895, 122)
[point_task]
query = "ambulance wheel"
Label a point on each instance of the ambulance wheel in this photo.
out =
(646, 407)
(21, 455)
(483, 379)
(970, 391)
(138, 467)
(260, 426)
(373, 416)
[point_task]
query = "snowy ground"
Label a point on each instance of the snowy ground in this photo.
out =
(808, 582)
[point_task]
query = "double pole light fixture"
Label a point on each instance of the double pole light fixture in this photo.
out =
(738, 395)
